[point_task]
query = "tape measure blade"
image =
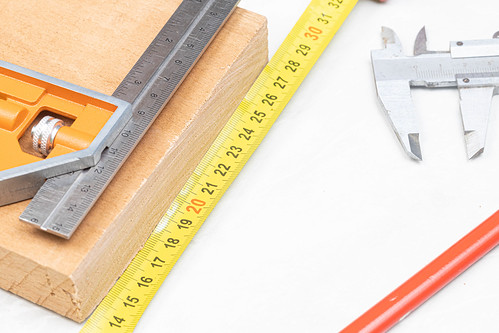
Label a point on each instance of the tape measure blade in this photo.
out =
(222, 163)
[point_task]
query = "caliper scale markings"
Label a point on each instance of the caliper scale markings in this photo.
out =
(471, 66)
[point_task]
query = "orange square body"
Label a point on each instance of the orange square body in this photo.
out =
(24, 100)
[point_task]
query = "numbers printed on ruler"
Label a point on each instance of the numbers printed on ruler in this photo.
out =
(223, 162)
(289, 70)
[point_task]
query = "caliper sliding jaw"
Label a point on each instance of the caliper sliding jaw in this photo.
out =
(471, 66)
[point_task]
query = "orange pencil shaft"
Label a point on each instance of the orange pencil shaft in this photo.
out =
(424, 284)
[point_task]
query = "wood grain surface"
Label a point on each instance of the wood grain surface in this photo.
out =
(94, 44)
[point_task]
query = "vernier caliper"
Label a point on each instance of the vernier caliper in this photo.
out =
(471, 66)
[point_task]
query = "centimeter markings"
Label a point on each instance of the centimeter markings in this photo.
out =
(47, 201)
(123, 306)
(162, 45)
(64, 201)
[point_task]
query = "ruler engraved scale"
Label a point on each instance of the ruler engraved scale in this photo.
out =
(63, 201)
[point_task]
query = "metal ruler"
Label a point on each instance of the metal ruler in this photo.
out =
(63, 202)
(122, 308)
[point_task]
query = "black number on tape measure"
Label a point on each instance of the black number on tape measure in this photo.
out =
(184, 224)
(322, 20)
(293, 66)
(260, 114)
(219, 171)
(281, 79)
(72, 207)
(244, 136)
(157, 259)
(85, 188)
(118, 321)
(241, 135)
(113, 151)
(207, 190)
(146, 282)
(303, 50)
(335, 4)
(208, 185)
(236, 149)
(277, 84)
(126, 133)
(172, 242)
(131, 300)
(269, 99)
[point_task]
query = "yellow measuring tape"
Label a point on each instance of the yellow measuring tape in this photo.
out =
(122, 308)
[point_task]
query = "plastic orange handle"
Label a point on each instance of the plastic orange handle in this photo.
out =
(429, 280)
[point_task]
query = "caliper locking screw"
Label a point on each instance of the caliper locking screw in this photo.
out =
(43, 134)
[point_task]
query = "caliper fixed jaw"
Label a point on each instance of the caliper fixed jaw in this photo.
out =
(395, 97)
(471, 66)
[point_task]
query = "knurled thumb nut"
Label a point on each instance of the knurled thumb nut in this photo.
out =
(44, 133)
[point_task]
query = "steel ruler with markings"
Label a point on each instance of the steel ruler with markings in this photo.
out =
(122, 308)
(63, 201)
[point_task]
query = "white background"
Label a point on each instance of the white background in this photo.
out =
(329, 215)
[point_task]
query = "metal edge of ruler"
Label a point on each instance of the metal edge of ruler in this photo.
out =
(122, 308)
(63, 201)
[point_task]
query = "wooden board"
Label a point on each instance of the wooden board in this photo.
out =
(94, 43)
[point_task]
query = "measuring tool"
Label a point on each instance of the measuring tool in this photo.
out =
(471, 66)
(33, 103)
(123, 306)
(63, 201)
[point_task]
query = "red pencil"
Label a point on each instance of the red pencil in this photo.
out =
(429, 280)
